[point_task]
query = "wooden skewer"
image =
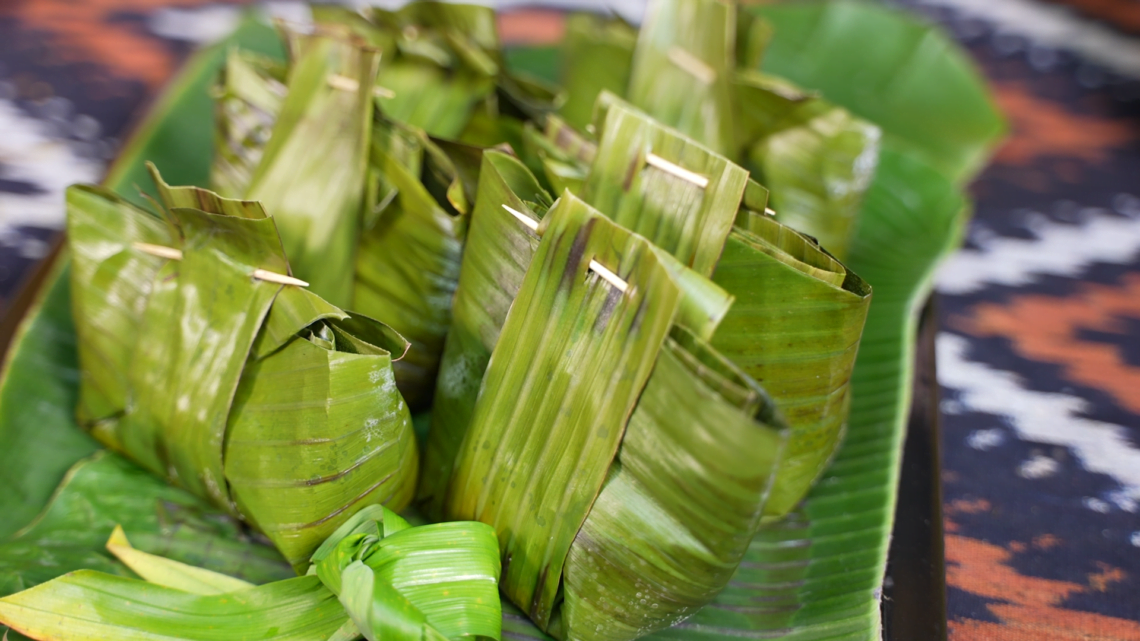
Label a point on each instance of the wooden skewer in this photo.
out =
(597, 267)
(696, 67)
(260, 274)
(677, 170)
(344, 83)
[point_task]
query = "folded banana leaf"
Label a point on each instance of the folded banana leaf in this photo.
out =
(597, 54)
(659, 437)
(249, 96)
(265, 399)
(915, 82)
(817, 159)
(313, 169)
(795, 326)
(408, 261)
(682, 69)
(375, 576)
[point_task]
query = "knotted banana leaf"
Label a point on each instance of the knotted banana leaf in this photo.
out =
(264, 399)
(375, 576)
(649, 486)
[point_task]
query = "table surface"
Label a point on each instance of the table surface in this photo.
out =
(1039, 351)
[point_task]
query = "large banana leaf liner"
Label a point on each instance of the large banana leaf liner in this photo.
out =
(261, 397)
(626, 467)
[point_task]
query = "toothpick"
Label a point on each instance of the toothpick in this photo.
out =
(598, 268)
(268, 276)
(677, 170)
(696, 67)
(260, 274)
(344, 83)
(523, 218)
(158, 250)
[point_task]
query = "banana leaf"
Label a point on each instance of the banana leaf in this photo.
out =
(687, 372)
(408, 261)
(295, 396)
(671, 207)
(375, 576)
(499, 252)
(795, 326)
(597, 55)
(249, 98)
(816, 158)
(106, 490)
(909, 78)
(682, 69)
(312, 171)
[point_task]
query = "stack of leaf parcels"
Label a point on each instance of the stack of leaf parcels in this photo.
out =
(620, 311)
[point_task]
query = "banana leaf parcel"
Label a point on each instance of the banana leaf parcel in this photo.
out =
(261, 397)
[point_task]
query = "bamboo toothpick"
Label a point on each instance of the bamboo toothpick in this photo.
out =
(677, 170)
(598, 268)
(271, 277)
(159, 250)
(260, 274)
(696, 67)
(344, 83)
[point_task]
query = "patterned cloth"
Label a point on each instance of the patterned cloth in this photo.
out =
(1039, 357)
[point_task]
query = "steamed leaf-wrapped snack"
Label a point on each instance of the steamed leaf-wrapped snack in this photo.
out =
(247, 100)
(313, 169)
(375, 576)
(261, 397)
(507, 469)
(407, 264)
(817, 159)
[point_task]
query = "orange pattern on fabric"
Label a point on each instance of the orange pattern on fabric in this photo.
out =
(1045, 328)
(1041, 127)
(1029, 608)
(88, 32)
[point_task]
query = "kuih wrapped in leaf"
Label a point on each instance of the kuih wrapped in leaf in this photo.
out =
(201, 366)
(565, 473)
(375, 576)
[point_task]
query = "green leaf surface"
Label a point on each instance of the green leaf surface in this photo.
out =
(536, 487)
(105, 491)
(104, 606)
(817, 159)
(909, 78)
(682, 69)
(398, 581)
(682, 500)
(312, 172)
(596, 56)
(818, 574)
(407, 265)
(686, 218)
(499, 251)
(795, 327)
